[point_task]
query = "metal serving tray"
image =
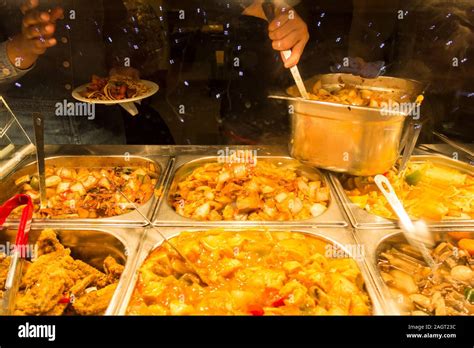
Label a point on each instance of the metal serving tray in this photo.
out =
(92, 245)
(374, 241)
(8, 187)
(340, 237)
(183, 165)
(361, 219)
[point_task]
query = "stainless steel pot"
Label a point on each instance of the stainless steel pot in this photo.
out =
(344, 138)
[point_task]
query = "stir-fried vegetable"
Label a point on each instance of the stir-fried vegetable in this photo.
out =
(353, 95)
(413, 178)
(469, 294)
(264, 191)
(249, 273)
(89, 192)
(429, 191)
(419, 290)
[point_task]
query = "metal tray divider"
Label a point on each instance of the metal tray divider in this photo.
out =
(372, 271)
(126, 289)
(167, 181)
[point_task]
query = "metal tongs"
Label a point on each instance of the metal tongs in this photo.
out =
(417, 233)
(15, 270)
(204, 280)
(455, 144)
(409, 142)
(269, 9)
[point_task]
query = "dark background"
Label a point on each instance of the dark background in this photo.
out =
(192, 60)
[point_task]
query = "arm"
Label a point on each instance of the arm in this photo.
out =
(19, 54)
(8, 72)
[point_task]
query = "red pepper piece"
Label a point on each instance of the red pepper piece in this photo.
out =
(279, 303)
(256, 310)
(65, 299)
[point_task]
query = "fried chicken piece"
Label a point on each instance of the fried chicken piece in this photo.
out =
(113, 269)
(46, 281)
(38, 300)
(83, 284)
(4, 266)
(57, 310)
(50, 281)
(48, 242)
(95, 302)
(45, 264)
(83, 270)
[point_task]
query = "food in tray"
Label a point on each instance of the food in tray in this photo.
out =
(55, 283)
(251, 272)
(427, 190)
(89, 192)
(114, 88)
(261, 191)
(353, 95)
(449, 290)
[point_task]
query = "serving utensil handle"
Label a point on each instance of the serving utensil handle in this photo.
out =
(38, 122)
(296, 76)
(417, 234)
(413, 133)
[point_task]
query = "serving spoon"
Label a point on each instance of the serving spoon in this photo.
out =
(417, 233)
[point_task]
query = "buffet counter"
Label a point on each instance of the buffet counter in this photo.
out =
(302, 203)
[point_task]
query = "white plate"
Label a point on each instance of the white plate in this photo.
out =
(152, 89)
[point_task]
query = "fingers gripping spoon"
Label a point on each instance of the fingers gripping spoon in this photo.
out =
(269, 9)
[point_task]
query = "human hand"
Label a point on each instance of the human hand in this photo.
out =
(36, 36)
(288, 31)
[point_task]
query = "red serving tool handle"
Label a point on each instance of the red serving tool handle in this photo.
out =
(26, 217)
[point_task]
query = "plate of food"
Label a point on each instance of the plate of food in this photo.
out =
(116, 89)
